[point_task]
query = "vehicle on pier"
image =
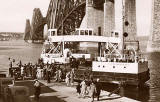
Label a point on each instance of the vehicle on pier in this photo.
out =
(109, 63)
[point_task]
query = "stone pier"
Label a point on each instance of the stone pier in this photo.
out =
(154, 38)
(130, 18)
(93, 17)
(108, 18)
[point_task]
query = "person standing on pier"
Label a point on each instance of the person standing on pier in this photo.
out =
(72, 74)
(60, 75)
(68, 78)
(93, 90)
(44, 73)
(10, 67)
(83, 88)
(57, 74)
(20, 64)
(98, 88)
(30, 69)
(35, 72)
(14, 63)
(37, 90)
(78, 88)
(22, 72)
(48, 74)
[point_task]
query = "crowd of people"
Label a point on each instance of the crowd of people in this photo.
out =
(89, 88)
(36, 71)
(55, 72)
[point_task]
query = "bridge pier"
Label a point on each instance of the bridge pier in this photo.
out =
(130, 25)
(108, 18)
(93, 17)
(154, 38)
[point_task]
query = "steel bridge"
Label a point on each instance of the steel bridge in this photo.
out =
(64, 15)
(37, 25)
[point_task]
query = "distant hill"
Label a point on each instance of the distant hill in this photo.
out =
(11, 35)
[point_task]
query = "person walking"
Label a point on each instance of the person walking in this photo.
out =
(56, 75)
(68, 78)
(48, 74)
(72, 74)
(44, 73)
(10, 67)
(98, 88)
(30, 69)
(59, 75)
(37, 90)
(83, 88)
(93, 90)
(78, 88)
(35, 72)
(22, 72)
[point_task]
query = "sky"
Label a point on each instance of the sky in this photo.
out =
(13, 14)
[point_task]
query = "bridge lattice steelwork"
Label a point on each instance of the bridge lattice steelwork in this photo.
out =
(65, 15)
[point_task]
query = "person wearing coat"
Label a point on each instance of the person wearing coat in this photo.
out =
(83, 88)
(37, 89)
(98, 88)
(93, 91)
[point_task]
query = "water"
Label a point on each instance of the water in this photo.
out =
(19, 50)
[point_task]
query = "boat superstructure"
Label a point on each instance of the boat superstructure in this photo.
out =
(110, 64)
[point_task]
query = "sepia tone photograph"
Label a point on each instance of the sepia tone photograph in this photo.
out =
(79, 50)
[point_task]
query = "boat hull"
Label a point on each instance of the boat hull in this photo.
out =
(110, 77)
(115, 72)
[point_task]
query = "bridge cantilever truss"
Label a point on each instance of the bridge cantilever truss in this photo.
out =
(37, 25)
(65, 15)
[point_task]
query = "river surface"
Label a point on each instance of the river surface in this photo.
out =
(20, 50)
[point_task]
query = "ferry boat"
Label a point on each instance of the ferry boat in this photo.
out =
(109, 65)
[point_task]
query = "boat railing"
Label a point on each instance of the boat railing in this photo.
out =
(124, 58)
(53, 55)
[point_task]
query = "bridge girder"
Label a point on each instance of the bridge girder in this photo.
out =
(65, 14)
